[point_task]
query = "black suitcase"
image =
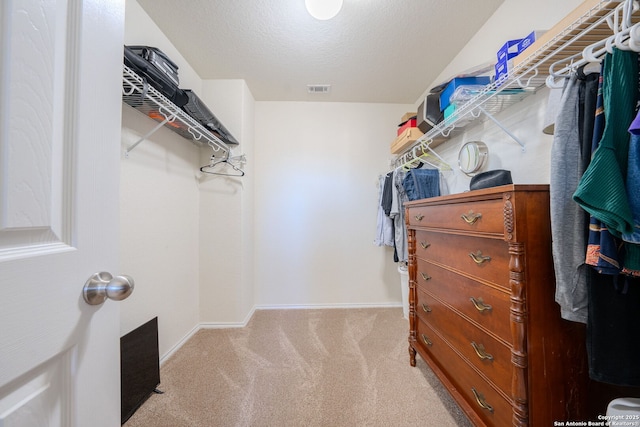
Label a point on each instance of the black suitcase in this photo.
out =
(199, 111)
(156, 78)
(159, 59)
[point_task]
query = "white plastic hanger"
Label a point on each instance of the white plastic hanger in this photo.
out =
(423, 153)
(595, 52)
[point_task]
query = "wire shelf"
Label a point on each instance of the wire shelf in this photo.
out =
(150, 102)
(584, 26)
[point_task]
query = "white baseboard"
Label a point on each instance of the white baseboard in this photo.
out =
(179, 344)
(226, 325)
(324, 306)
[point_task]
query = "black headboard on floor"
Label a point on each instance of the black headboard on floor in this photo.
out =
(139, 367)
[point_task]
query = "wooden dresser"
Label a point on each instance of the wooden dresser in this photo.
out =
(482, 312)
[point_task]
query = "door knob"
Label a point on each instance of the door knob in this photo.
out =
(103, 285)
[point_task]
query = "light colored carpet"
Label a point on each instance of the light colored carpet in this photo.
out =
(329, 367)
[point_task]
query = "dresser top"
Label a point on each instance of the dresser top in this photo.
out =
(483, 194)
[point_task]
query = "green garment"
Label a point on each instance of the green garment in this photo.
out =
(601, 190)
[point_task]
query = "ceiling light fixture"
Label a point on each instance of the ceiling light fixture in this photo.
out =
(323, 9)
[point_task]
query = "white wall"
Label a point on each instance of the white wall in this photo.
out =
(316, 199)
(227, 294)
(141, 30)
(186, 238)
(159, 230)
(159, 213)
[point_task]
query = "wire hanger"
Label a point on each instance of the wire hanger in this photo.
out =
(217, 165)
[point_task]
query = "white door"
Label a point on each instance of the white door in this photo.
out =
(60, 103)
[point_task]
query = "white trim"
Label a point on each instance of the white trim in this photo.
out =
(323, 306)
(226, 325)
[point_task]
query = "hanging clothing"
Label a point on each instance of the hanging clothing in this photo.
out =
(384, 224)
(608, 167)
(613, 299)
(613, 329)
(422, 183)
(570, 154)
(602, 247)
(397, 215)
(387, 193)
(632, 239)
(610, 211)
(633, 181)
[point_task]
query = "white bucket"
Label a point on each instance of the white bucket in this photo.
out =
(624, 411)
(404, 284)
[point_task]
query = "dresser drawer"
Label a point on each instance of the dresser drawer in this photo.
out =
(488, 355)
(483, 304)
(480, 257)
(490, 405)
(483, 216)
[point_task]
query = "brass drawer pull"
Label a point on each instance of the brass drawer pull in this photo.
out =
(471, 217)
(425, 276)
(426, 340)
(480, 399)
(419, 217)
(481, 352)
(480, 305)
(478, 258)
(426, 308)
(425, 245)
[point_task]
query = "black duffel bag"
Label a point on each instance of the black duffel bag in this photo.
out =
(155, 77)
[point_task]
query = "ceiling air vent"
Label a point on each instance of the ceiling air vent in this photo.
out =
(318, 88)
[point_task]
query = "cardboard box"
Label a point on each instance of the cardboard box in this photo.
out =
(509, 50)
(407, 116)
(411, 123)
(445, 96)
(404, 141)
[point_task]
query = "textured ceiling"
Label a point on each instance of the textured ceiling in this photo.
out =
(385, 51)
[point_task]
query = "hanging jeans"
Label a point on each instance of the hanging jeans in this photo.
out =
(422, 183)
(633, 189)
